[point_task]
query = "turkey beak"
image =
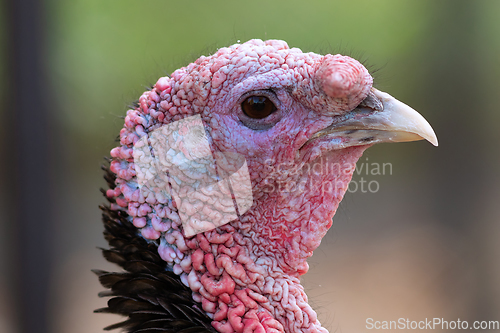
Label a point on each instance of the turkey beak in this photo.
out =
(379, 118)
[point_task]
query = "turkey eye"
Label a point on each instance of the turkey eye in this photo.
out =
(258, 107)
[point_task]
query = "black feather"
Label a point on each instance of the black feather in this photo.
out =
(147, 292)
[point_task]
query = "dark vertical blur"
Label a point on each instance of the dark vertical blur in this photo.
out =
(28, 142)
(455, 89)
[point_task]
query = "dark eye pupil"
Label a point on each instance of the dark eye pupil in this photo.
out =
(258, 107)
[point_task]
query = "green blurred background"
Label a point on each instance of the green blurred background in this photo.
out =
(424, 246)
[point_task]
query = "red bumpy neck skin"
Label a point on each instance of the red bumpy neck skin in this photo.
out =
(245, 273)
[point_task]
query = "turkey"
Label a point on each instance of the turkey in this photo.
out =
(226, 178)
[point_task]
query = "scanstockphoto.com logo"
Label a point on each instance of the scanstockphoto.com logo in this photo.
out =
(366, 176)
(431, 324)
(210, 189)
(175, 161)
(299, 178)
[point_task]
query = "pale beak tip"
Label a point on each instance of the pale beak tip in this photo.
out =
(404, 118)
(427, 133)
(434, 140)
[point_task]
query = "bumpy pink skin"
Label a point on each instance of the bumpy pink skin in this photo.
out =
(246, 273)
